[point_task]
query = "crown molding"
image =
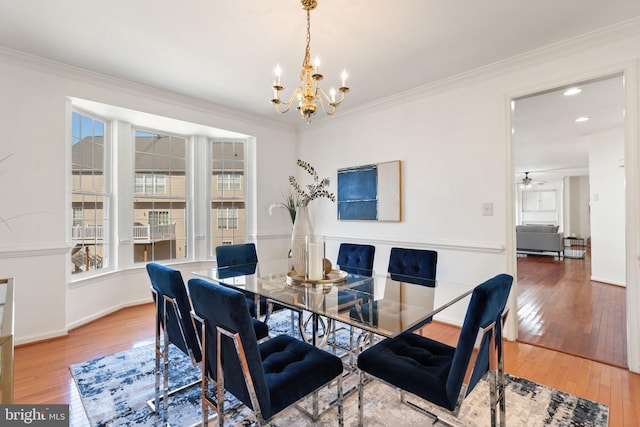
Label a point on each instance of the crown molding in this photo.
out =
(594, 39)
(67, 71)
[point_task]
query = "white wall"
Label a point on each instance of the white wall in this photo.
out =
(453, 139)
(606, 181)
(34, 198)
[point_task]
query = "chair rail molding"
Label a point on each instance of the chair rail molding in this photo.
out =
(457, 245)
(45, 249)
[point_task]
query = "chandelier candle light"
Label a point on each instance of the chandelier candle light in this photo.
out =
(309, 93)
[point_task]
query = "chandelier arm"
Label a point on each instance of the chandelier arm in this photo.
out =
(333, 103)
(322, 97)
(283, 111)
(288, 102)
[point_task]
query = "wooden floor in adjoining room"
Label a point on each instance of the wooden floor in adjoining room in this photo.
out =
(42, 369)
(559, 307)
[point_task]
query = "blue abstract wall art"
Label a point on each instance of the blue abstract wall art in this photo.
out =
(370, 192)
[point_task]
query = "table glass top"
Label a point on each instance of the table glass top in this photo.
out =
(384, 304)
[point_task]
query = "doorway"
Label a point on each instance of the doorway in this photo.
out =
(568, 144)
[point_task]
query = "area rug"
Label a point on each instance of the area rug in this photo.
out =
(114, 390)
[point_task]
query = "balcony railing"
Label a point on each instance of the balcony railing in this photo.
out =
(140, 232)
(87, 232)
(154, 232)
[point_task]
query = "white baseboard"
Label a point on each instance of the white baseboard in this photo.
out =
(450, 320)
(41, 337)
(105, 312)
(608, 281)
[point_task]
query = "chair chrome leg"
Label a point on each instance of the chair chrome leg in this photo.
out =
(492, 396)
(314, 416)
(501, 388)
(204, 405)
(157, 391)
(352, 351)
(165, 383)
(501, 400)
(340, 402)
(293, 324)
(360, 398)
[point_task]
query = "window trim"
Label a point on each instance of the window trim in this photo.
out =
(210, 200)
(120, 122)
(165, 196)
(106, 194)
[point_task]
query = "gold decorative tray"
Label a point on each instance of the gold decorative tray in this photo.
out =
(333, 276)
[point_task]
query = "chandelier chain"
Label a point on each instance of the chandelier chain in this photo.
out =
(307, 51)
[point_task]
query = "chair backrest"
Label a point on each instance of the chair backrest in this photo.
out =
(222, 306)
(487, 304)
(412, 265)
(356, 259)
(181, 330)
(236, 260)
(239, 254)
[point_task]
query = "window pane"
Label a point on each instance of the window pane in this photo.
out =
(227, 193)
(88, 200)
(159, 206)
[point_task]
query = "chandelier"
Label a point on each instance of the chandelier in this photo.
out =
(308, 94)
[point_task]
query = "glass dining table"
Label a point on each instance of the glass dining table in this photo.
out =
(384, 304)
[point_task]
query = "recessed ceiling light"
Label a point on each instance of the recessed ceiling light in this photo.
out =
(582, 119)
(572, 91)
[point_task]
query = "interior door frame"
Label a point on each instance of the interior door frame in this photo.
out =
(631, 76)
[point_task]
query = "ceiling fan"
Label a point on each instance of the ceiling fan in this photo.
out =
(528, 181)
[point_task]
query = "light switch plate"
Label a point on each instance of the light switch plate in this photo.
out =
(487, 209)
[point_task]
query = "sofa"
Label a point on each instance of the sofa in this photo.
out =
(539, 238)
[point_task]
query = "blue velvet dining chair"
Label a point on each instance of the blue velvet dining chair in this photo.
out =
(242, 258)
(242, 255)
(441, 375)
(413, 265)
(354, 259)
(417, 266)
(174, 325)
(267, 377)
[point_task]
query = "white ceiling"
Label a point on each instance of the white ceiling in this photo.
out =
(549, 143)
(225, 51)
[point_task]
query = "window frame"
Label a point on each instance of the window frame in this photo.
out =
(108, 237)
(164, 196)
(119, 172)
(236, 237)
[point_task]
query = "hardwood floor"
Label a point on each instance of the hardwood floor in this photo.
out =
(42, 369)
(560, 308)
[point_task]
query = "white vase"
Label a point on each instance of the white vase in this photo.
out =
(302, 233)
